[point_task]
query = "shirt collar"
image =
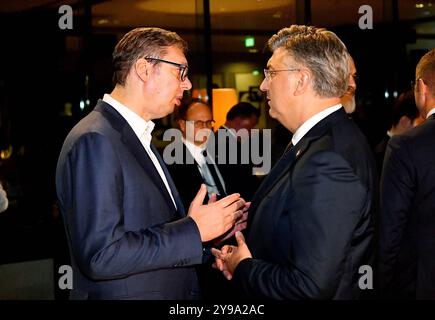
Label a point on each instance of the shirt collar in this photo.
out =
(140, 126)
(231, 131)
(431, 112)
(311, 122)
(196, 151)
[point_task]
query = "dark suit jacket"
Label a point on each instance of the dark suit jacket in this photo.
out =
(310, 225)
(127, 240)
(379, 152)
(238, 176)
(407, 247)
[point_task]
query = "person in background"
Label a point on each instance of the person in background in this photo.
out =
(348, 99)
(3, 199)
(403, 118)
(407, 224)
(240, 120)
(188, 176)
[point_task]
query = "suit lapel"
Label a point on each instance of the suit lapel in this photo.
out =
(289, 159)
(132, 142)
(282, 167)
(171, 183)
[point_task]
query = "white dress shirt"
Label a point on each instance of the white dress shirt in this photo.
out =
(311, 122)
(143, 130)
(431, 112)
(198, 155)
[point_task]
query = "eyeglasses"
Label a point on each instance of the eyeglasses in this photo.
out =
(181, 67)
(269, 74)
(202, 124)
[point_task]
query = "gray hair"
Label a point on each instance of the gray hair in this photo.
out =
(321, 52)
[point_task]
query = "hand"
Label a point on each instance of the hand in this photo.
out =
(229, 257)
(239, 225)
(217, 217)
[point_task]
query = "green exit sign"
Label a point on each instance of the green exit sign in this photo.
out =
(249, 42)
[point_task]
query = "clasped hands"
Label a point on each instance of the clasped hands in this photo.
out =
(218, 221)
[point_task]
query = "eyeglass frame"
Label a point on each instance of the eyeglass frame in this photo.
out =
(268, 73)
(211, 122)
(183, 68)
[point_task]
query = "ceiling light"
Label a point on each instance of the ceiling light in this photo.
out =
(103, 21)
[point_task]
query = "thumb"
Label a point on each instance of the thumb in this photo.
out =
(199, 198)
(240, 239)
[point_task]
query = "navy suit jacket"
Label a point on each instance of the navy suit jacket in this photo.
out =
(310, 225)
(126, 238)
(407, 255)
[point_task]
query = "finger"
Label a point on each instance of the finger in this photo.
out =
(243, 218)
(199, 198)
(220, 264)
(213, 198)
(247, 206)
(240, 239)
(238, 205)
(232, 217)
(241, 226)
(225, 202)
(227, 275)
(216, 253)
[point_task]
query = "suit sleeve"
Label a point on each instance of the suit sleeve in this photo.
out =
(93, 203)
(397, 191)
(326, 207)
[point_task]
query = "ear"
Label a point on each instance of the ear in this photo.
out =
(303, 82)
(405, 122)
(182, 125)
(142, 69)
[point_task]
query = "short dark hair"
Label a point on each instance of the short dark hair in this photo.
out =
(140, 43)
(186, 105)
(404, 106)
(243, 110)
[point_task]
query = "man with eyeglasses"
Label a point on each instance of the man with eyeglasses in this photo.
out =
(310, 225)
(195, 120)
(407, 224)
(127, 228)
(348, 99)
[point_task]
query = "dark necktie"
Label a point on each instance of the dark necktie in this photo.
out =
(212, 168)
(289, 146)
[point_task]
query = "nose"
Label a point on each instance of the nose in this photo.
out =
(186, 84)
(264, 85)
